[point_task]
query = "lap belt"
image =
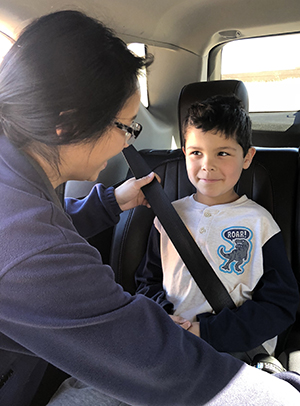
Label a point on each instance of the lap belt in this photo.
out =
(189, 251)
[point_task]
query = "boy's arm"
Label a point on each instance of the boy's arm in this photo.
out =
(271, 311)
(149, 275)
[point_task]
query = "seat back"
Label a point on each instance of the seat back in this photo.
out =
(131, 233)
(201, 91)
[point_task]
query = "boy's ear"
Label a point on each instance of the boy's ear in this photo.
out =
(248, 158)
(183, 150)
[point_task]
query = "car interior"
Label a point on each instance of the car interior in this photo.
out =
(188, 39)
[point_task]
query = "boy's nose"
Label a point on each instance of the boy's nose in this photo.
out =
(208, 165)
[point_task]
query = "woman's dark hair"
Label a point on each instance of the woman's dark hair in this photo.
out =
(223, 114)
(67, 71)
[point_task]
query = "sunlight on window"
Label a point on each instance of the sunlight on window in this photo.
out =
(270, 69)
(5, 44)
(139, 50)
(173, 144)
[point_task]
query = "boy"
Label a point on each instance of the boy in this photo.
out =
(238, 237)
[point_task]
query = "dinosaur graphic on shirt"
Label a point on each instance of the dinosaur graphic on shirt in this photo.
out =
(238, 253)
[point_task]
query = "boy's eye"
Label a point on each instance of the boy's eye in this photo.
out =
(196, 153)
(223, 153)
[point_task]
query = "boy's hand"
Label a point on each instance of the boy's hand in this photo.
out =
(129, 194)
(185, 324)
(195, 328)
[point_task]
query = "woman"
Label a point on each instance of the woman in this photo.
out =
(64, 129)
(68, 98)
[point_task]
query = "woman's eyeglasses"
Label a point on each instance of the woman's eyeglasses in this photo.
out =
(132, 131)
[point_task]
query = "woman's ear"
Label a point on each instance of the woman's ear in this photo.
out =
(248, 157)
(59, 131)
(66, 124)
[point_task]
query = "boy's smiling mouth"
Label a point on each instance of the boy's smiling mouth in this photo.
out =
(208, 180)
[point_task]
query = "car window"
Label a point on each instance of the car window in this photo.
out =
(270, 69)
(140, 50)
(5, 44)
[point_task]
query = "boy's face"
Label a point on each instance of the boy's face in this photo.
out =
(214, 165)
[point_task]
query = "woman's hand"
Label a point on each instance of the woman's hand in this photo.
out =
(129, 194)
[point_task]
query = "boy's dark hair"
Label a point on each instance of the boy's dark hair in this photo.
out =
(223, 114)
(68, 71)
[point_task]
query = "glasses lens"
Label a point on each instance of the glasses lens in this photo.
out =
(131, 132)
(136, 128)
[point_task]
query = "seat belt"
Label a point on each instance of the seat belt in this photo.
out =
(207, 280)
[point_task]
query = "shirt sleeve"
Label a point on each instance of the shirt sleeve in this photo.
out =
(270, 312)
(149, 275)
(96, 212)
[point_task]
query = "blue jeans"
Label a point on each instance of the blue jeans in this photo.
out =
(75, 393)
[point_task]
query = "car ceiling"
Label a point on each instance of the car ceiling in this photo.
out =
(193, 25)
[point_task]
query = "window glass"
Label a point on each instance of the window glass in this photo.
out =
(139, 50)
(270, 69)
(5, 44)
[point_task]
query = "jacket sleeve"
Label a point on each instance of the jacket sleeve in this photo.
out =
(71, 313)
(149, 275)
(271, 311)
(96, 212)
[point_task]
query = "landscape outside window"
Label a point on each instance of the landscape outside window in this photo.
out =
(270, 69)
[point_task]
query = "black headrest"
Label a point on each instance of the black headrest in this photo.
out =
(201, 91)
